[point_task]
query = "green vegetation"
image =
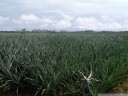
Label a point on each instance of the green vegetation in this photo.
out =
(57, 64)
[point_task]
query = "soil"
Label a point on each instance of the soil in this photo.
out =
(121, 88)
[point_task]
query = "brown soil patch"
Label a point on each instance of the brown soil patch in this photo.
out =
(121, 88)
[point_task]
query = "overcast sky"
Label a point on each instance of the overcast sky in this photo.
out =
(64, 14)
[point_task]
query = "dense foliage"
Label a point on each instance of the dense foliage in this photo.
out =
(57, 64)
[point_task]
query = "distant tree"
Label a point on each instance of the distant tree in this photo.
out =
(36, 30)
(23, 30)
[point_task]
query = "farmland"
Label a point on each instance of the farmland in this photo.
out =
(58, 64)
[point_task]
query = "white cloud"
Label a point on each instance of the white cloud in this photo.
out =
(47, 20)
(82, 14)
(67, 22)
(67, 17)
(87, 23)
(63, 24)
(106, 23)
(29, 18)
(46, 23)
(111, 26)
(3, 20)
(107, 19)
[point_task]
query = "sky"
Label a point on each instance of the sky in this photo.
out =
(69, 15)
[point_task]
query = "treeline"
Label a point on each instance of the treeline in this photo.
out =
(39, 30)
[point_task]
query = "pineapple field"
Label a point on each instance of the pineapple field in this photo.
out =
(63, 63)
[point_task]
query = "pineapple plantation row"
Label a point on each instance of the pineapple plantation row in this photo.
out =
(62, 64)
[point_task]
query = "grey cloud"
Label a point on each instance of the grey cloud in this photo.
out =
(52, 14)
(3, 20)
